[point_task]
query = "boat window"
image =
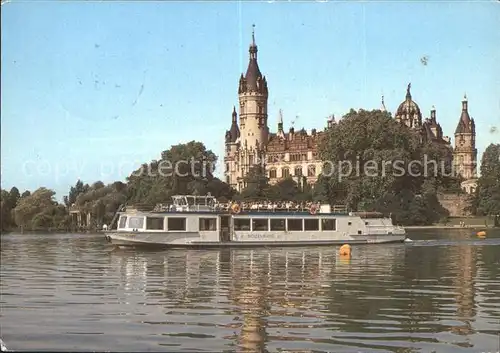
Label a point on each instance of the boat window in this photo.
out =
(123, 222)
(208, 223)
(136, 222)
(311, 224)
(176, 224)
(154, 223)
(277, 224)
(260, 224)
(294, 224)
(329, 224)
(242, 224)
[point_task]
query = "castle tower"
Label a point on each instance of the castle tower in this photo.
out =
(408, 112)
(231, 153)
(465, 152)
(253, 95)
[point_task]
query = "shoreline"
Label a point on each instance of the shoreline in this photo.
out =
(473, 227)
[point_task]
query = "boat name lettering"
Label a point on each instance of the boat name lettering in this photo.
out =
(254, 235)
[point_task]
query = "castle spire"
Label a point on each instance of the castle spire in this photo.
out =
(280, 121)
(234, 131)
(408, 94)
(433, 113)
(253, 46)
(383, 105)
(253, 35)
(465, 124)
(253, 80)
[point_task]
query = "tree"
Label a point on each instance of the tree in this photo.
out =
(286, 190)
(34, 211)
(5, 210)
(102, 201)
(74, 191)
(321, 192)
(488, 195)
(183, 169)
(14, 196)
(257, 184)
(375, 163)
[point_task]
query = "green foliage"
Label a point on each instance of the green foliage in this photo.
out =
(258, 188)
(183, 169)
(39, 210)
(102, 201)
(374, 161)
(257, 185)
(74, 191)
(487, 198)
(368, 140)
(9, 201)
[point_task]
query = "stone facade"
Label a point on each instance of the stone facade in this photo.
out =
(455, 204)
(294, 153)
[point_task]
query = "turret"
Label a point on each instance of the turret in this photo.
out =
(253, 96)
(281, 132)
(465, 152)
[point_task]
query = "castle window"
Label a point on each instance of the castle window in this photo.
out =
(311, 170)
(285, 172)
(227, 180)
(298, 171)
(272, 174)
(227, 167)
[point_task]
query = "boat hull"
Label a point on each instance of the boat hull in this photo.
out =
(142, 241)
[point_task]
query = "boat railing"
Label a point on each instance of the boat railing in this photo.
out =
(243, 207)
(183, 208)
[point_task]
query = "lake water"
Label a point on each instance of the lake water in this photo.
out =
(75, 292)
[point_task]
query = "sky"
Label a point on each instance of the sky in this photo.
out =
(91, 90)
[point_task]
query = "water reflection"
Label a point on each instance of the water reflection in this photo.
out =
(397, 298)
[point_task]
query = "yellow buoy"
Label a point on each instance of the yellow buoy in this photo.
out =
(345, 250)
(481, 234)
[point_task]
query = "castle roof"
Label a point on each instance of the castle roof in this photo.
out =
(465, 123)
(408, 107)
(253, 73)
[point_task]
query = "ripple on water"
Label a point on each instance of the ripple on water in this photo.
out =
(70, 292)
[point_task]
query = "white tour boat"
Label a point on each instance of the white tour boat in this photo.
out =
(197, 221)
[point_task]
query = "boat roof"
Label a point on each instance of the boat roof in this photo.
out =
(243, 214)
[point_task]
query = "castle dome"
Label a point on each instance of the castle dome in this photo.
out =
(409, 112)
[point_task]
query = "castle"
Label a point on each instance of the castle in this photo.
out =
(294, 153)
